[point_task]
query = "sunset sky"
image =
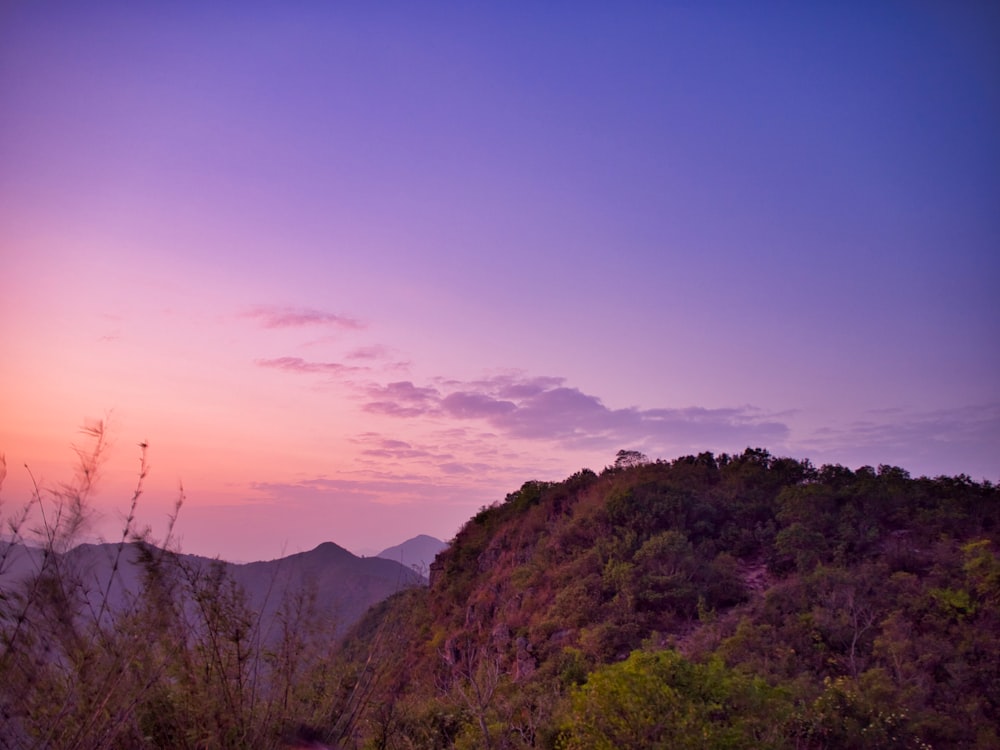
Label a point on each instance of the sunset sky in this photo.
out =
(354, 270)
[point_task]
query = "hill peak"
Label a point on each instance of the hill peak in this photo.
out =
(330, 551)
(418, 552)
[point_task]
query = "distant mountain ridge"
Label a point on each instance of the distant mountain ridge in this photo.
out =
(344, 585)
(417, 553)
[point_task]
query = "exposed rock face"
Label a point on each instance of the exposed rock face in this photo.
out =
(524, 662)
(488, 559)
(501, 635)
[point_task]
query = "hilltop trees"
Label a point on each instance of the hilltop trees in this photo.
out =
(626, 459)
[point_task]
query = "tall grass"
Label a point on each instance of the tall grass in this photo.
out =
(180, 660)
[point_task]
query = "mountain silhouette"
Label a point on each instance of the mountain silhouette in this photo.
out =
(417, 553)
(341, 585)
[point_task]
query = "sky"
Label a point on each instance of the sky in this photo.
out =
(355, 270)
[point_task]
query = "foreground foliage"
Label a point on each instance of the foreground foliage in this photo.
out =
(184, 663)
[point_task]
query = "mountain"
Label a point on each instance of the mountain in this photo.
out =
(345, 585)
(17, 561)
(417, 553)
(342, 585)
(737, 601)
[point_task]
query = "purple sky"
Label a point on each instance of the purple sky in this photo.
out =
(354, 271)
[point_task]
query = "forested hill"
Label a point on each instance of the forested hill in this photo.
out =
(709, 601)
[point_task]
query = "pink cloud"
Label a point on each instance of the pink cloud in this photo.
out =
(902, 437)
(468, 405)
(297, 364)
(380, 354)
(368, 352)
(542, 408)
(402, 399)
(297, 317)
(401, 450)
(456, 468)
(515, 386)
(400, 488)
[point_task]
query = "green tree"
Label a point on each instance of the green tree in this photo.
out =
(661, 700)
(626, 459)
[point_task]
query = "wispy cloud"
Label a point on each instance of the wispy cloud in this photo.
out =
(930, 439)
(368, 509)
(299, 365)
(386, 359)
(462, 453)
(456, 468)
(402, 399)
(507, 385)
(389, 489)
(377, 446)
(368, 352)
(298, 317)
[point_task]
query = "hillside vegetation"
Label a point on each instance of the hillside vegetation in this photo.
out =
(744, 601)
(710, 601)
